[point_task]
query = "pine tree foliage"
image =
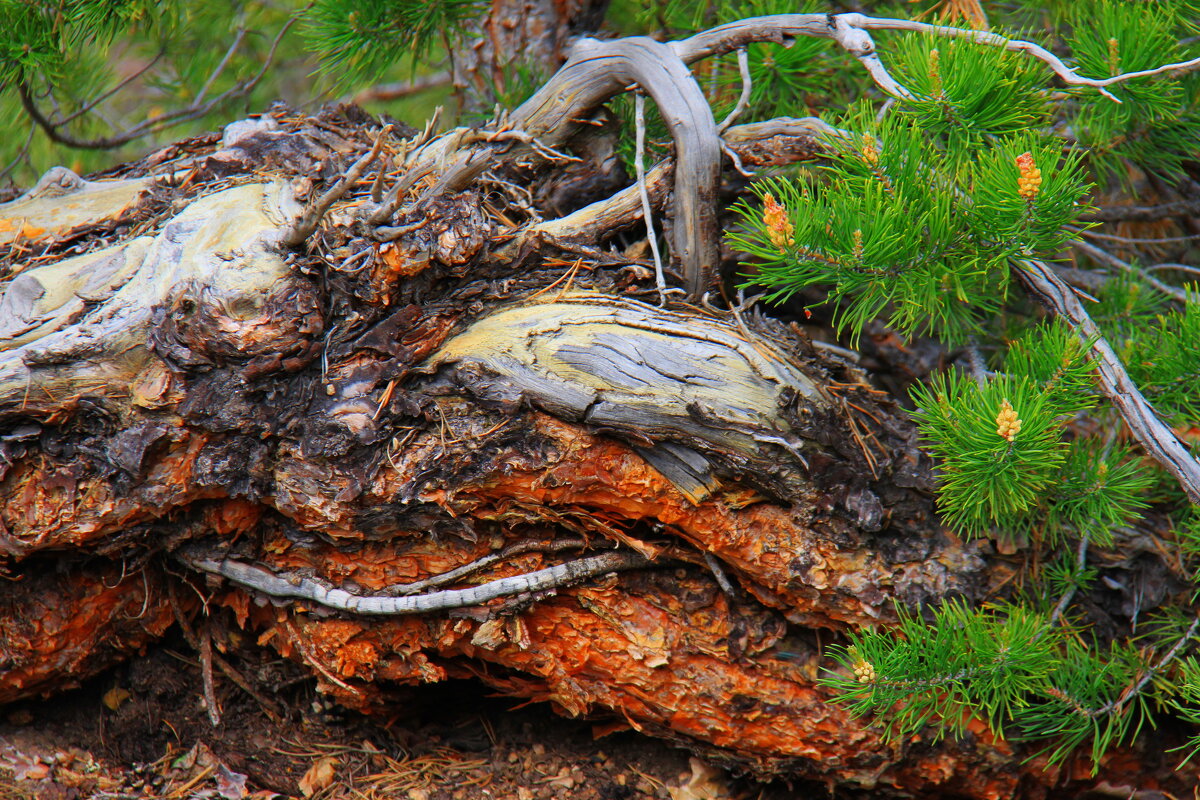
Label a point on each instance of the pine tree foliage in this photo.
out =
(359, 41)
(919, 222)
(912, 228)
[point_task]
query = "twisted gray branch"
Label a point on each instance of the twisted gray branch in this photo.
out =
(267, 582)
(1153, 434)
(599, 70)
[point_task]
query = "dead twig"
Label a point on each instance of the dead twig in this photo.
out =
(743, 101)
(53, 129)
(647, 212)
(397, 91)
(268, 583)
(206, 676)
(780, 28)
(303, 227)
(1108, 259)
(1178, 208)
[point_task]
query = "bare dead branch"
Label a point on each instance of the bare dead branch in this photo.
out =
(395, 195)
(458, 573)
(591, 223)
(307, 223)
(1184, 268)
(1154, 435)
(270, 584)
(781, 28)
(377, 185)
(21, 155)
(1191, 237)
(858, 43)
(224, 62)
(599, 70)
(1107, 258)
(1178, 208)
(54, 132)
(743, 101)
(644, 194)
(105, 95)
(469, 166)
(397, 91)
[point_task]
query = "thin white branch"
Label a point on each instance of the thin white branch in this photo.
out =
(858, 43)
(1068, 75)
(744, 98)
(782, 28)
(294, 586)
(1108, 259)
(639, 166)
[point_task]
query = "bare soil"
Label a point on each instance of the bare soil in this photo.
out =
(450, 741)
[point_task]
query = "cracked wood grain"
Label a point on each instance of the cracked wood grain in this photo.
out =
(673, 381)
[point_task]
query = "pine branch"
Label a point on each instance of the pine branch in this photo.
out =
(1135, 689)
(54, 129)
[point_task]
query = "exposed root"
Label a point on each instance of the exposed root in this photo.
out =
(295, 586)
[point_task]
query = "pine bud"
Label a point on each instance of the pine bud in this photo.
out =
(1114, 57)
(858, 244)
(869, 150)
(935, 73)
(1007, 423)
(779, 228)
(1029, 182)
(863, 669)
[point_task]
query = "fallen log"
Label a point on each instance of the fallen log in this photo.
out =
(454, 442)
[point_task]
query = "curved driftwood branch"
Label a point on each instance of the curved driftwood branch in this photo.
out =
(776, 141)
(598, 70)
(780, 28)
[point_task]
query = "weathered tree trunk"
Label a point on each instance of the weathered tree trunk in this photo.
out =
(200, 423)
